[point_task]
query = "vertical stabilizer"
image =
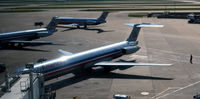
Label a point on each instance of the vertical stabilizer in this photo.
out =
(52, 25)
(103, 15)
(136, 29)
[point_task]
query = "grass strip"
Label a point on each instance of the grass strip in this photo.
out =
(137, 15)
(89, 2)
(19, 11)
(56, 7)
(150, 9)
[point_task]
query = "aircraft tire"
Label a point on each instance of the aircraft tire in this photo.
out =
(41, 60)
(88, 70)
(107, 69)
(20, 45)
(85, 26)
(5, 46)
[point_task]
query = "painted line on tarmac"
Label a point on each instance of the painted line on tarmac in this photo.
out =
(169, 88)
(178, 90)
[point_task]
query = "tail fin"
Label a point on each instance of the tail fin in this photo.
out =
(103, 15)
(136, 29)
(52, 25)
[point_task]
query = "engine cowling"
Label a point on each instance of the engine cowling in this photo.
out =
(133, 43)
(130, 49)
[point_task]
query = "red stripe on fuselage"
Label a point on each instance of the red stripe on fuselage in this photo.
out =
(79, 64)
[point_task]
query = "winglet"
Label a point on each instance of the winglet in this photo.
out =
(65, 52)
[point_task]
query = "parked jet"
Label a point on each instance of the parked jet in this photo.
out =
(194, 18)
(81, 21)
(102, 56)
(24, 38)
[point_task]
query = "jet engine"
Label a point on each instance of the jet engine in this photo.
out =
(133, 43)
(130, 49)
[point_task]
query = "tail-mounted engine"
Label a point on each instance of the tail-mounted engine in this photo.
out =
(130, 49)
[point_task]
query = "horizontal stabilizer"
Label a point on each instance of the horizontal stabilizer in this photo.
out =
(65, 52)
(129, 64)
(136, 29)
(144, 25)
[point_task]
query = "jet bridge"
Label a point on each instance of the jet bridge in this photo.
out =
(21, 88)
(25, 86)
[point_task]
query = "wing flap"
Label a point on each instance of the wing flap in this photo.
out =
(129, 64)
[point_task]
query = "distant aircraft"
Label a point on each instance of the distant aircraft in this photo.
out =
(82, 21)
(102, 56)
(24, 38)
(193, 18)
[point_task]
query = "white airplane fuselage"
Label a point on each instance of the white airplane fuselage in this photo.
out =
(82, 21)
(81, 60)
(25, 37)
(26, 34)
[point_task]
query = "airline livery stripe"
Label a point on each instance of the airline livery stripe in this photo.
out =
(82, 63)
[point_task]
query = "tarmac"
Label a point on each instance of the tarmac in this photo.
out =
(174, 43)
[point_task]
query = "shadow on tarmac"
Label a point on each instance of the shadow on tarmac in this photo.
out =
(98, 73)
(90, 29)
(23, 49)
(29, 49)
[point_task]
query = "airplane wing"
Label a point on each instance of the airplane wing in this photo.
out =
(73, 24)
(32, 43)
(82, 24)
(129, 64)
(65, 52)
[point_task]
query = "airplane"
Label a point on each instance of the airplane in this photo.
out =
(83, 61)
(193, 18)
(24, 38)
(82, 21)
